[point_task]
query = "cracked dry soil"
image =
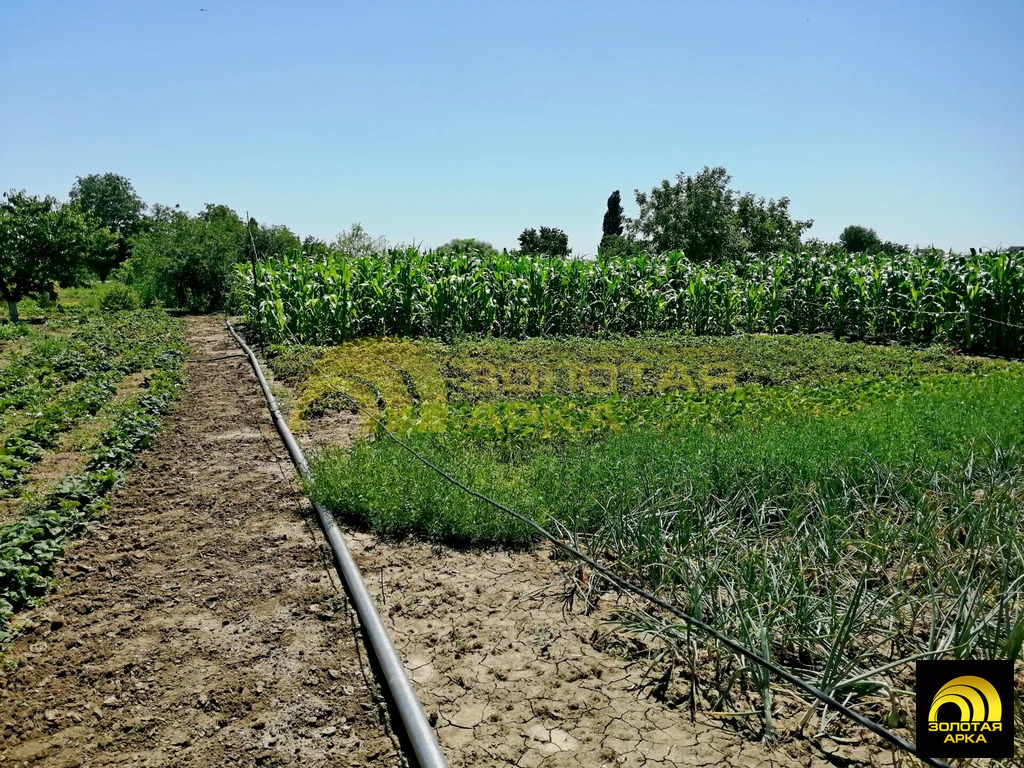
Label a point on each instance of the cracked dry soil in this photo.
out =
(512, 679)
(199, 624)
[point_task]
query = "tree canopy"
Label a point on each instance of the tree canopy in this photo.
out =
(43, 243)
(613, 223)
(858, 239)
(314, 247)
(112, 200)
(549, 241)
(701, 216)
(356, 241)
(471, 244)
(187, 261)
(269, 241)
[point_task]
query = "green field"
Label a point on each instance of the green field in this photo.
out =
(844, 507)
(90, 386)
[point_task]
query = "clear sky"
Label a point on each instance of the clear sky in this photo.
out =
(433, 120)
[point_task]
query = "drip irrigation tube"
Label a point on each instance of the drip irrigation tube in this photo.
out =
(627, 586)
(420, 735)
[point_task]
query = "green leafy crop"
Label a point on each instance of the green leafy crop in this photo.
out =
(974, 303)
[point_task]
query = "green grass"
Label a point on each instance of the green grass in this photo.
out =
(82, 298)
(806, 405)
(775, 448)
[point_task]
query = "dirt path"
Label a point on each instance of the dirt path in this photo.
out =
(199, 624)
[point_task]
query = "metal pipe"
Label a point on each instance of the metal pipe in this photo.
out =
(421, 736)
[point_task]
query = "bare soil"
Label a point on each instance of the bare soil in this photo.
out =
(199, 624)
(513, 677)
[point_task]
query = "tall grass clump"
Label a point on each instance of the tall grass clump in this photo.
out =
(973, 302)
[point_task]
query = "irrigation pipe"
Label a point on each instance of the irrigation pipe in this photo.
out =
(214, 359)
(420, 735)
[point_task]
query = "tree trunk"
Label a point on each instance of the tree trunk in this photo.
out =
(12, 308)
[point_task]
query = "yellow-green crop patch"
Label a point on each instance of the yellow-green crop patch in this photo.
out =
(559, 387)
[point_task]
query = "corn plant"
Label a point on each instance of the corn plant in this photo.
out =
(974, 303)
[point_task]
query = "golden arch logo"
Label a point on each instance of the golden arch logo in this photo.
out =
(397, 384)
(975, 696)
(386, 380)
(965, 708)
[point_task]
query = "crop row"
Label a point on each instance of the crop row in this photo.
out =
(75, 345)
(975, 303)
(63, 379)
(26, 446)
(30, 546)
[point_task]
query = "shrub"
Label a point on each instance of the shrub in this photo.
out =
(118, 298)
(186, 261)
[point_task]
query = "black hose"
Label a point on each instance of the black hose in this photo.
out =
(213, 359)
(420, 736)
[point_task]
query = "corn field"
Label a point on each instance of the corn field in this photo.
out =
(974, 303)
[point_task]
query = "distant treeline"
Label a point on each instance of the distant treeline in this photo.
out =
(188, 261)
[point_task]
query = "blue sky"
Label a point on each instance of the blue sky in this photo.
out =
(429, 121)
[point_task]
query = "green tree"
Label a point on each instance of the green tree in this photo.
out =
(113, 202)
(693, 215)
(356, 241)
(549, 241)
(186, 261)
(222, 214)
(468, 244)
(817, 245)
(858, 239)
(892, 247)
(766, 226)
(43, 243)
(270, 241)
(701, 216)
(314, 247)
(612, 225)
